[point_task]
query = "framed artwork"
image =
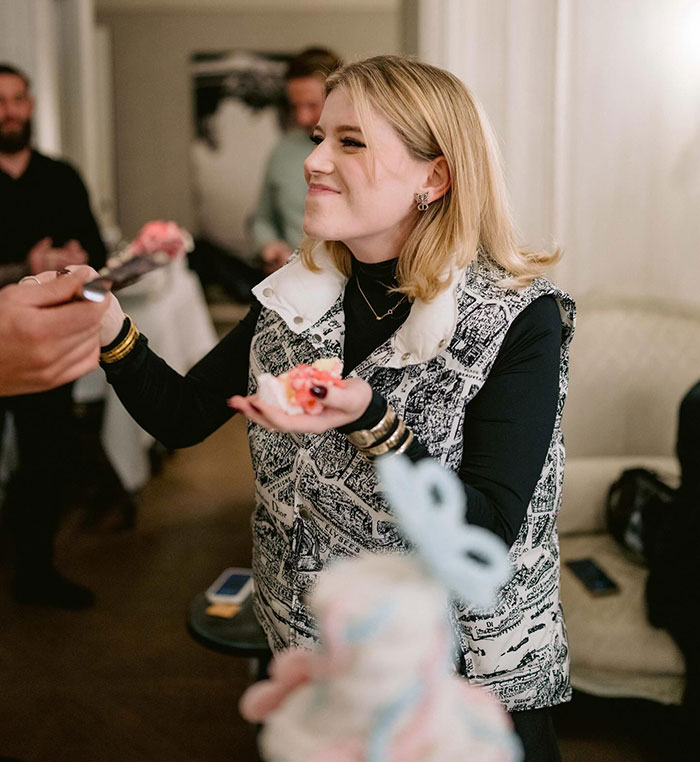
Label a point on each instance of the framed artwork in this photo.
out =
(240, 111)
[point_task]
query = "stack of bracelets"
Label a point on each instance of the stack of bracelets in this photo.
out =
(125, 346)
(389, 435)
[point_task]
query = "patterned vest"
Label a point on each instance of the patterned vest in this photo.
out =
(318, 498)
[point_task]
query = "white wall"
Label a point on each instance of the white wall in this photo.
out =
(29, 39)
(243, 5)
(597, 104)
(55, 42)
(153, 98)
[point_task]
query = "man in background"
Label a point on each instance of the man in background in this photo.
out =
(277, 225)
(45, 221)
(45, 224)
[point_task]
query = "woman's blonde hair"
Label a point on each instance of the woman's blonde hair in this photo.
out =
(435, 115)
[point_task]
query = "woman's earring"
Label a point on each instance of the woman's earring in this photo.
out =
(422, 201)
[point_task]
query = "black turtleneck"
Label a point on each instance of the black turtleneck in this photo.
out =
(507, 427)
(367, 295)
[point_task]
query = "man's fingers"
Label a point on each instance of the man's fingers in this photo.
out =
(79, 358)
(83, 272)
(63, 257)
(66, 318)
(67, 362)
(43, 245)
(53, 290)
(62, 319)
(76, 371)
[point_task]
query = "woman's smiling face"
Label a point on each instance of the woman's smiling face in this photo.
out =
(371, 209)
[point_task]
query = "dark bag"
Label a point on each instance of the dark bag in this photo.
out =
(635, 506)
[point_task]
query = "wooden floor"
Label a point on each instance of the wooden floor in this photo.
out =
(125, 683)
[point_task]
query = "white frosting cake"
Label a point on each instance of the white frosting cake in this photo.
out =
(381, 688)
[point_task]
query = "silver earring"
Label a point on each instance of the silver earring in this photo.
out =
(422, 201)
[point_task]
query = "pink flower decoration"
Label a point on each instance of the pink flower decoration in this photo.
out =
(288, 670)
(158, 236)
(301, 378)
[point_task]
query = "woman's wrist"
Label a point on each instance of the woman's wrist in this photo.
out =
(122, 344)
(374, 412)
(112, 322)
(374, 436)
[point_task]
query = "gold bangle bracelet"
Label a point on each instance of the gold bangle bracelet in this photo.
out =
(124, 347)
(365, 438)
(405, 445)
(389, 444)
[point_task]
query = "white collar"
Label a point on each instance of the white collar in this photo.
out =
(302, 297)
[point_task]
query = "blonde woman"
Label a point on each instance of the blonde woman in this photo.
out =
(453, 345)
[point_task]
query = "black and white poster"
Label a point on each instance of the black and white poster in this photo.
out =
(240, 111)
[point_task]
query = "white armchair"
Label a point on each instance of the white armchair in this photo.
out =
(631, 364)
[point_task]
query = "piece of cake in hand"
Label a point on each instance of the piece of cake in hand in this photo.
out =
(291, 391)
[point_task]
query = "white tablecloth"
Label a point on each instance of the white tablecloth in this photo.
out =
(169, 308)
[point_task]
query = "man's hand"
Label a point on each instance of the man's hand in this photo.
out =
(46, 339)
(274, 255)
(43, 256)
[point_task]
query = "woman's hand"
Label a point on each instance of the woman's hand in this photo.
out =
(114, 316)
(341, 405)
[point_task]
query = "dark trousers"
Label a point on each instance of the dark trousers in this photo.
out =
(688, 450)
(536, 732)
(37, 493)
(215, 265)
(673, 594)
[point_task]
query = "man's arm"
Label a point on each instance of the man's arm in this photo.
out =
(84, 228)
(46, 339)
(42, 257)
(13, 272)
(267, 227)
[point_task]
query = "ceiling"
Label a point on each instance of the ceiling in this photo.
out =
(245, 5)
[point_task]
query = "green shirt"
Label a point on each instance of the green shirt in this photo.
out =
(280, 211)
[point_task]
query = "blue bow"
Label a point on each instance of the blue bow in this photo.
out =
(429, 502)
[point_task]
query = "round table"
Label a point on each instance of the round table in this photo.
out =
(240, 635)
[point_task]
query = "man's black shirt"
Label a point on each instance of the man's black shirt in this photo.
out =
(48, 199)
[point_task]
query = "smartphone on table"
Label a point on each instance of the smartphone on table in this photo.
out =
(231, 586)
(597, 582)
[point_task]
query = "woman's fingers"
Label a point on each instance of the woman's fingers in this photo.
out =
(352, 397)
(245, 406)
(273, 418)
(269, 416)
(339, 405)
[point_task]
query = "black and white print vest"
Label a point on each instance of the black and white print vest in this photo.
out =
(317, 498)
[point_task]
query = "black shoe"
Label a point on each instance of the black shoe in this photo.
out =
(52, 589)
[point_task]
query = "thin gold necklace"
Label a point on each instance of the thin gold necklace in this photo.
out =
(388, 312)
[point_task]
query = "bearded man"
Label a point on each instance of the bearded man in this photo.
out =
(45, 224)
